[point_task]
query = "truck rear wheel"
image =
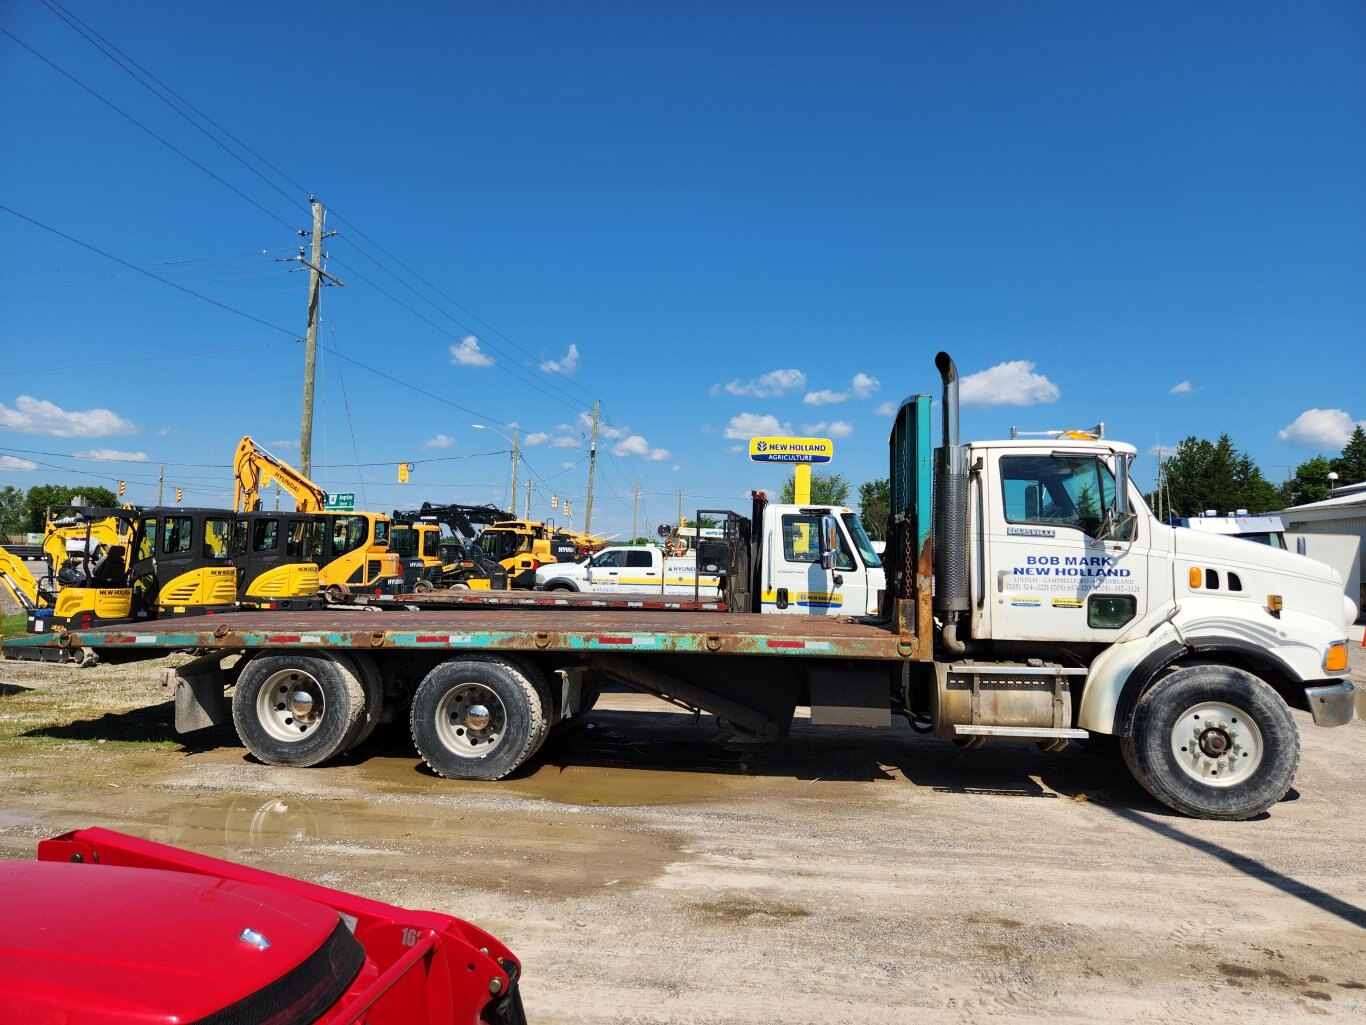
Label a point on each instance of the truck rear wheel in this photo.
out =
(296, 710)
(479, 717)
(1213, 742)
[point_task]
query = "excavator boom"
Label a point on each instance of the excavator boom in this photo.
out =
(254, 468)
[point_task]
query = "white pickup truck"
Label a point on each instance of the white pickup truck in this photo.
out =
(637, 569)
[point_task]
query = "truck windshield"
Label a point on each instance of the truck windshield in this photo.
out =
(865, 547)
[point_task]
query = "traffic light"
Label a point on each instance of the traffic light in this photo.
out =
(179, 493)
(554, 501)
(122, 486)
(403, 469)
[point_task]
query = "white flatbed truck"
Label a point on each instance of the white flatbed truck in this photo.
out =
(1029, 596)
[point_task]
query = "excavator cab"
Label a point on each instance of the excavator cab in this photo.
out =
(276, 556)
(418, 546)
(181, 563)
(356, 555)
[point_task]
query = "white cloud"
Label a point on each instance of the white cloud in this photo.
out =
(568, 466)
(886, 409)
(164, 432)
(735, 449)
(753, 425)
(635, 445)
(532, 440)
(765, 386)
(564, 441)
(824, 396)
(283, 443)
(1321, 429)
(677, 467)
(1184, 388)
(604, 430)
(835, 429)
(860, 387)
(467, 354)
(1007, 384)
(38, 416)
(15, 463)
(568, 365)
(112, 455)
(864, 385)
(440, 441)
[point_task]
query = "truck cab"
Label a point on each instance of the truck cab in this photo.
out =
(793, 580)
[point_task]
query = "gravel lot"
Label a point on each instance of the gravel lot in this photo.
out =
(653, 869)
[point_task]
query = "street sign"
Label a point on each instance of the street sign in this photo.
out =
(791, 450)
(342, 501)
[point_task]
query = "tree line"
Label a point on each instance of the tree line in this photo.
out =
(25, 511)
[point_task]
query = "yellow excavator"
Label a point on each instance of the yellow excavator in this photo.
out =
(354, 556)
(522, 545)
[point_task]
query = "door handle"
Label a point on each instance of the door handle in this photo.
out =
(838, 580)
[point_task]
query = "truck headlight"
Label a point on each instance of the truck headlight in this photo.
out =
(1335, 661)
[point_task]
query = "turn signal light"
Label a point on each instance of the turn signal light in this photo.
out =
(1336, 659)
(1196, 578)
(1274, 603)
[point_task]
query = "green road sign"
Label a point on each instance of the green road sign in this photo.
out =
(343, 501)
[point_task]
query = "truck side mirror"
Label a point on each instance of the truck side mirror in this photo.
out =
(1121, 488)
(830, 539)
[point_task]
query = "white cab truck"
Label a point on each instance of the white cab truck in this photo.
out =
(793, 579)
(1029, 595)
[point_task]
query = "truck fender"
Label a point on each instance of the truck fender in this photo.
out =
(1120, 674)
(560, 584)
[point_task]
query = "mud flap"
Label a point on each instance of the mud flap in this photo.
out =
(198, 687)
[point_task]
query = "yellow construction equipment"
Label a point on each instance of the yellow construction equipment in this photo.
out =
(354, 554)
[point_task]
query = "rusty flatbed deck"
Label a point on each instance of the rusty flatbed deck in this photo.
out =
(553, 599)
(570, 630)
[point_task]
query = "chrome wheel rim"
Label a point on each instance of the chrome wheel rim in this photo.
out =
(290, 705)
(1217, 744)
(470, 720)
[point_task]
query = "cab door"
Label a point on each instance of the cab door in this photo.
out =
(1046, 573)
(604, 572)
(641, 570)
(795, 583)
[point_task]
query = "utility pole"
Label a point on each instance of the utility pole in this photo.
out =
(316, 274)
(635, 512)
(680, 508)
(513, 503)
(528, 498)
(161, 482)
(592, 463)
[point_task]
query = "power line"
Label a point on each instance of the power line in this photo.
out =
(105, 47)
(154, 135)
(140, 270)
(148, 359)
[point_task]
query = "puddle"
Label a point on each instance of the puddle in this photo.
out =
(11, 818)
(513, 852)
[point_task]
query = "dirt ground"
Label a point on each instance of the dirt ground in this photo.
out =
(651, 869)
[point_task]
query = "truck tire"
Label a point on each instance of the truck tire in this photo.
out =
(296, 710)
(560, 585)
(372, 683)
(1213, 742)
(478, 717)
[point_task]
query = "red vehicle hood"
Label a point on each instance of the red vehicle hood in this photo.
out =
(103, 945)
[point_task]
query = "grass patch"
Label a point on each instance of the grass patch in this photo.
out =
(13, 625)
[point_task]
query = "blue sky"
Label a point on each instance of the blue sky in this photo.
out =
(716, 219)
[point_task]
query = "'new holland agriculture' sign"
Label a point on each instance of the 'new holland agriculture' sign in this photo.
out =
(791, 450)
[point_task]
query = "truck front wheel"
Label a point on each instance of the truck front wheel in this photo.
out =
(297, 709)
(478, 717)
(1213, 742)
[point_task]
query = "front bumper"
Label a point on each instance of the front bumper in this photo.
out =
(1333, 704)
